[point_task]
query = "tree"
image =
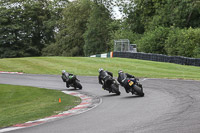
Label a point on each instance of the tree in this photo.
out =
(154, 41)
(119, 30)
(26, 26)
(177, 13)
(183, 42)
(69, 40)
(97, 34)
(143, 15)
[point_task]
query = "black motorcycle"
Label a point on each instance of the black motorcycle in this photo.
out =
(135, 87)
(74, 82)
(111, 85)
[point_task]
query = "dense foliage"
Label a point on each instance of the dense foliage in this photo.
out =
(146, 15)
(85, 27)
(169, 27)
(154, 41)
(26, 26)
(69, 39)
(97, 34)
(185, 42)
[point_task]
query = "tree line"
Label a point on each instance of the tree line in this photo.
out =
(86, 27)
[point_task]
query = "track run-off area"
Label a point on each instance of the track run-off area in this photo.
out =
(169, 106)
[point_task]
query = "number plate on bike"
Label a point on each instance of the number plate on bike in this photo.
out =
(131, 83)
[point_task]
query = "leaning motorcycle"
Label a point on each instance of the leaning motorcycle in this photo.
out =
(135, 87)
(112, 86)
(74, 82)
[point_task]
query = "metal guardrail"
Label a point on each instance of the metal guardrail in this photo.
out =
(160, 58)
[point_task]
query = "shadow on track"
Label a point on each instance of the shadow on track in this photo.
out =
(111, 95)
(70, 89)
(129, 97)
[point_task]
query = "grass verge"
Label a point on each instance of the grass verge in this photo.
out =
(21, 104)
(89, 67)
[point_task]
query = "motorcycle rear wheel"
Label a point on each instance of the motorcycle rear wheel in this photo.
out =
(115, 89)
(138, 90)
(78, 85)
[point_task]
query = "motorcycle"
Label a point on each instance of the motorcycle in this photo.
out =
(112, 86)
(135, 87)
(74, 82)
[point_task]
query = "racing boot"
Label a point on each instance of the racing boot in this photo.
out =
(127, 90)
(67, 85)
(109, 90)
(104, 86)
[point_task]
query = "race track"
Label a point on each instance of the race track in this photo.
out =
(169, 106)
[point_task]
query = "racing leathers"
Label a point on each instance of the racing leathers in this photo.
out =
(123, 80)
(103, 77)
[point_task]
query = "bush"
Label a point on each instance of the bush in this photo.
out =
(183, 42)
(153, 41)
(171, 44)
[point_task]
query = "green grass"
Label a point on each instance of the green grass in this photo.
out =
(20, 104)
(89, 67)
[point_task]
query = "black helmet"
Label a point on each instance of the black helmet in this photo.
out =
(100, 69)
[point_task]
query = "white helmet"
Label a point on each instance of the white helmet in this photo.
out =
(63, 71)
(100, 69)
(120, 71)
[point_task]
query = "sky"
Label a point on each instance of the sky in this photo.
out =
(117, 13)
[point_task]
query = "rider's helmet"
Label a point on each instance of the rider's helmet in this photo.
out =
(63, 71)
(100, 69)
(120, 71)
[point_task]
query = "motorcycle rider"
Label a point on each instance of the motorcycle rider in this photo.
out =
(103, 77)
(123, 79)
(66, 77)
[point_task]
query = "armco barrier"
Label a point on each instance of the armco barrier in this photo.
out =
(159, 57)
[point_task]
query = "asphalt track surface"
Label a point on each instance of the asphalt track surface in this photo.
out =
(169, 106)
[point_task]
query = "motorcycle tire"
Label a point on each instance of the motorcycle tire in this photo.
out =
(138, 90)
(115, 89)
(78, 85)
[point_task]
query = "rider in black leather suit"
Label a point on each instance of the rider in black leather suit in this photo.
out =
(104, 76)
(65, 77)
(122, 79)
